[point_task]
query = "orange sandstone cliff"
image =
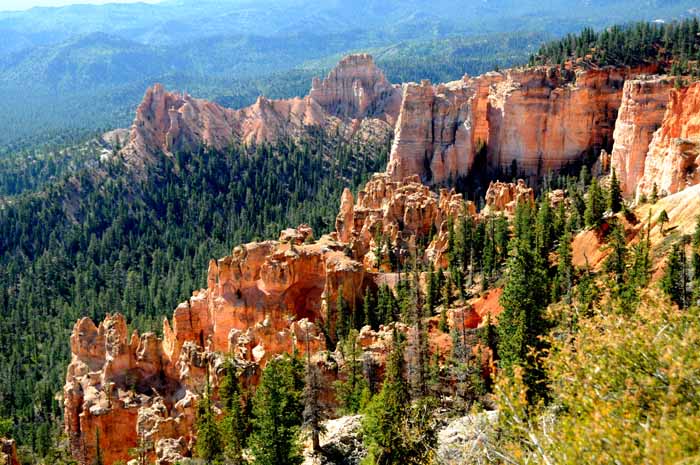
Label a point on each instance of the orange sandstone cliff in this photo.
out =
(644, 102)
(274, 297)
(354, 98)
(539, 119)
(672, 161)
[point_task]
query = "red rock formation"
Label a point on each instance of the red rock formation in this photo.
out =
(400, 213)
(538, 118)
(644, 102)
(8, 452)
(541, 120)
(505, 196)
(434, 132)
(356, 89)
(672, 161)
(263, 300)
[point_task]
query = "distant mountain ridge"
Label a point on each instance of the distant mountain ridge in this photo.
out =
(86, 66)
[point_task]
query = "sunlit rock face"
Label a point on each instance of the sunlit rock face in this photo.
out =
(357, 88)
(354, 100)
(534, 120)
(264, 299)
(644, 103)
(672, 161)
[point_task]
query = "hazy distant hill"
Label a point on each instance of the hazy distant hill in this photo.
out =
(86, 66)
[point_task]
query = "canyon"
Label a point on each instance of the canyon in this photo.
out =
(279, 296)
(523, 122)
(263, 300)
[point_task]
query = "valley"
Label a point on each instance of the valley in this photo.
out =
(502, 267)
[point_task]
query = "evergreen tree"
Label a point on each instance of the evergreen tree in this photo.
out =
(544, 227)
(502, 237)
(565, 268)
(233, 424)
(696, 262)
(616, 261)
(673, 282)
(662, 219)
(394, 430)
(208, 446)
(522, 322)
(98, 449)
(343, 318)
(594, 205)
(314, 410)
(615, 194)
(277, 411)
(388, 411)
(641, 263)
(352, 387)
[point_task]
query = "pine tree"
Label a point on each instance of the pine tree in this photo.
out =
(641, 263)
(98, 449)
(615, 194)
(352, 387)
(662, 219)
(314, 410)
(394, 430)
(674, 282)
(431, 294)
(654, 194)
(696, 262)
(594, 205)
(522, 322)
(208, 446)
(442, 322)
(277, 412)
(369, 310)
(544, 227)
(565, 268)
(616, 261)
(502, 237)
(233, 423)
(343, 318)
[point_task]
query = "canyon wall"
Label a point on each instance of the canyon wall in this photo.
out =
(536, 119)
(354, 100)
(672, 161)
(644, 102)
(542, 120)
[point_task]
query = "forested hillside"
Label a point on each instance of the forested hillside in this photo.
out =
(675, 46)
(94, 242)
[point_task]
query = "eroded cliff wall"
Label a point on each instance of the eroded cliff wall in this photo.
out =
(644, 102)
(672, 161)
(354, 99)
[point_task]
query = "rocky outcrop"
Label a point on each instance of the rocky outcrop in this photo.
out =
(434, 132)
(644, 102)
(467, 439)
(341, 442)
(440, 128)
(263, 300)
(397, 215)
(8, 452)
(355, 100)
(356, 88)
(672, 161)
(505, 196)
